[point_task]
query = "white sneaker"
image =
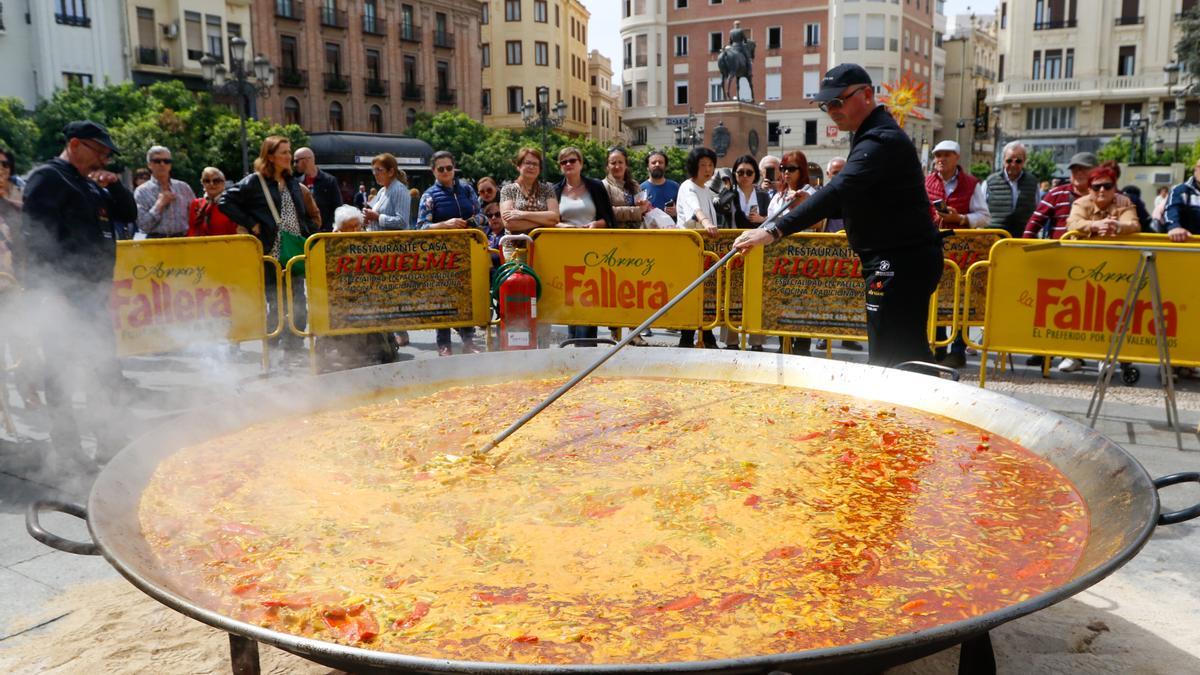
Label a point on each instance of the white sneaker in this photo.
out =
(1070, 365)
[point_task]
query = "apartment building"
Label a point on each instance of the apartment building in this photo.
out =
(1074, 74)
(47, 44)
(671, 49)
(369, 65)
(605, 100)
(528, 44)
(971, 60)
(167, 38)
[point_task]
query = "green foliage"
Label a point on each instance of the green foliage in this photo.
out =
(1187, 50)
(1116, 150)
(981, 170)
(17, 132)
(108, 105)
(1041, 164)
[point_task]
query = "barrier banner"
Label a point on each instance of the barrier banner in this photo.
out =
(965, 248)
(617, 277)
(731, 276)
(172, 293)
(807, 285)
(1068, 300)
(362, 282)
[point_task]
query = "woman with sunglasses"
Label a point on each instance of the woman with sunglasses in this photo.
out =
(488, 190)
(582, 203)
(448, 204)
(1103, 212)
(205, 218)
(628, 208)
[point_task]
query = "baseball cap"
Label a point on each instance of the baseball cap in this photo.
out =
(90, 131)
(1084, 159)
(840, 77)
(948, 146)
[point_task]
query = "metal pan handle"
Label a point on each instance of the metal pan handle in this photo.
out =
(925, 368)
(36, 530)
(587, 342)
(1185, 514)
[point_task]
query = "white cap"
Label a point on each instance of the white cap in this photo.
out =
(948, 146)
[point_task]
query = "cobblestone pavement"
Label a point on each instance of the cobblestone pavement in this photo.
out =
(1145, 618)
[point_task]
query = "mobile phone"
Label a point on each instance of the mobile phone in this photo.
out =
(770, 173)
(940, 206)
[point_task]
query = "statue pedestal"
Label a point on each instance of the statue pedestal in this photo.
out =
(735, 128)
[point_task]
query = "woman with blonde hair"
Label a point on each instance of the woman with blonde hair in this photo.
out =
(205, 218)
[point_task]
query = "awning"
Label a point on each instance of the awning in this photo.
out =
(353, 151)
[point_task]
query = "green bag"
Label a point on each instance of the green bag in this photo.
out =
(291, 246)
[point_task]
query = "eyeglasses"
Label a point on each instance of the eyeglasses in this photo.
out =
(378, 169)
(102, 152)
(212, 181)
(532, 165)
(494, 214)
(567, 162)
(1014, 160)
(837, 103)
(745, 172)
(161, 160)
(789, 168)
(1102, 186)
(443, 169)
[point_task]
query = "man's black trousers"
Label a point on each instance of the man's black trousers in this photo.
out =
(899, 284)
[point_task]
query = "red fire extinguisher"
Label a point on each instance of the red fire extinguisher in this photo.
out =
(515, 291)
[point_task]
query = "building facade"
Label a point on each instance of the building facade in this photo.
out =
(46, 45)
(605, 100)
(671, 49)
(971, 60)
(1073, 75)
(369, 65)
(167, 38)
(528, 44)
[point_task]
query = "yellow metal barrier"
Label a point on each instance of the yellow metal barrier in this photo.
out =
(936, 302)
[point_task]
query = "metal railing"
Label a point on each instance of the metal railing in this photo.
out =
(375, 86)
(73, 20)
(373, 25)
(447, 96)
(333, 17)
(1051, 25)
(412, 92)
(147, 56)
(336, 82)
(290, 9)
(443, 39)
(410, 32)
(293, 78)
(1129, 20)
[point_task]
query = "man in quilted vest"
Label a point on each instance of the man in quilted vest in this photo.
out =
(962, 205)
(1012, 192)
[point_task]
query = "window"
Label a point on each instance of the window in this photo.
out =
(1191, 112)
(640, 50)
(812, 35)
(1120, 115)
(443, 78)
(629, 53)
(774, 86)
(288, 55)
(540, 14)
(335, 116)
(1050, 118)
(681, 92)
(875, 34)
(681, 45)
(1053, 69)
(485, 98)
(216, 43)
(410, 71)
(375, 120)
(1003, 15)
(194, 34)
(556, 22)
(487, 14)
(512, 52)
(812, 83)
(541, 53)
(291, 111)
(558, 56)
(894, 32)
(370, 16)
(850, 32)
(72, 13)
(593, 115)
(628, 96)
(516, 99)
(1000, 69)
(715, 92)
(1126, 60)
(1037, 65)
(679, 4)
(810, 132)
(907, 41)
(714, 42)
(877, 80)
(512, 10)
(641, 92)
(772, 133)
(408, 28)
(147, 37)
(333, 58)
(77, 79)
(410, 117)
(487, 55)
(774, 37)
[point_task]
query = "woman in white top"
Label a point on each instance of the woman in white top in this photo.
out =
(391, 209)
(694, 210)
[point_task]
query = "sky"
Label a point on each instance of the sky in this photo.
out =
(604, 31)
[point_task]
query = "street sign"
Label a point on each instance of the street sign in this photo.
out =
(831, 131)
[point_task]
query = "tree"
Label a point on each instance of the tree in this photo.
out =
(1041, 164)
(981, 170)
(1187, 50)
(107, 105)
(17, 132)
(1117, 149)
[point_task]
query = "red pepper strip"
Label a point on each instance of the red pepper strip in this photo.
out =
(808, 437)
(526, 639)
(889, 437)
(740, 484)
(732, 600)
(913, 605)
(418, 612)
(908, 484)
(752, 500)
(989, 522)
(686, 602)
(368, 627)
(847, 457)
(783, 552)
(245, 589)
(290, 601)
(508, 598)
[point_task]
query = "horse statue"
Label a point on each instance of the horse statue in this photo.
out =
(736, 62)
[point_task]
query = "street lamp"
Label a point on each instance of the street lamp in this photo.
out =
(241, 86)
(689, 134)
(1138, 124)
(539, 116)
(1180, 91)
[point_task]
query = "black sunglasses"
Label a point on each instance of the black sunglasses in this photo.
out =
(1014, 160)
(1102, 186)
(745, 172)
(162, 160)
(837, 103)
(567, 162)
(789, 168)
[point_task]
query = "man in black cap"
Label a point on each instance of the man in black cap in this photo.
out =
(880, 196)
(72, 205)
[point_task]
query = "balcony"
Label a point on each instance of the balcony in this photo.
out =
(443, 39)
(333, 17)
(375, 86)
(73, 20)
(1052, 25)
(335, 82)
(447, 96)
(410, 32)
(290, 9)
(1129, 20)
(373, 25)
(150, 56)
(293, 79)
(985, 73)
(1105, 87)
(412, 92)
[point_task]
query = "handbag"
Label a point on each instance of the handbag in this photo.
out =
(290, 245)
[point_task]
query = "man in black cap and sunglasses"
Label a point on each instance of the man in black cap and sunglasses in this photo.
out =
(880, 196)
(72, 204)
